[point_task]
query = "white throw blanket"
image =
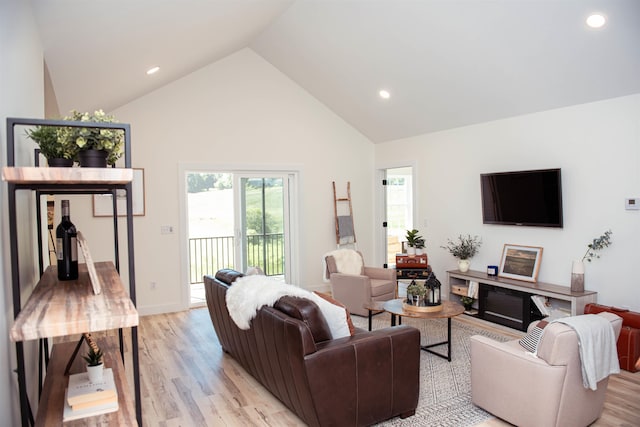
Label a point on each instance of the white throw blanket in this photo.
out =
(348, 261)
(249, 293)
(597, 342)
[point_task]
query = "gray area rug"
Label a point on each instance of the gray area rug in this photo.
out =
(445, 387)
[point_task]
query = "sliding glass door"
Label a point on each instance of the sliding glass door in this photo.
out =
(238, 220)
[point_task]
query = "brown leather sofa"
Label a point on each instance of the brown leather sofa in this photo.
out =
(352, 381)
(629, 340)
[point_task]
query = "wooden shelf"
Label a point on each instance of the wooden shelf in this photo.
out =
(538, 288)
(41, 175)
(57, 308)
(575, 301)
(52, 399)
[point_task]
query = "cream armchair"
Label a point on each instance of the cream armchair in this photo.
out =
(546, 390)
(373, 284)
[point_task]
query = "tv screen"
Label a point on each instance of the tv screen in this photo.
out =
(532, 198)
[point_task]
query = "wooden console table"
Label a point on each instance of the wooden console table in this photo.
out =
(560, 297)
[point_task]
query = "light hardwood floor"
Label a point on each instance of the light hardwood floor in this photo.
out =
(187, 381)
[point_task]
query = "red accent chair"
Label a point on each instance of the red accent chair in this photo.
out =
(629, 340)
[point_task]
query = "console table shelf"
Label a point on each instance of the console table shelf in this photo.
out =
(59, 308)
(56, 308)
(50, 414)
(559, 296)
(84, 176)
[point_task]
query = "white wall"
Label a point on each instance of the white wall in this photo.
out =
(21, 86)
(237, 112)
(597, 145)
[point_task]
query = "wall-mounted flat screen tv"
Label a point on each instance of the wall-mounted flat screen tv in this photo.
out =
(531, 198)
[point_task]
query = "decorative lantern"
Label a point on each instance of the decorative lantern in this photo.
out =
(433, 286)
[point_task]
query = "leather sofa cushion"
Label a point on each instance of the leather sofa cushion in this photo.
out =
(228, 276)
(307, 311)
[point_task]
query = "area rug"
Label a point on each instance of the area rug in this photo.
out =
(445, 387)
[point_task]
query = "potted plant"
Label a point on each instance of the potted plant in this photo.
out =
(577, 267)
(58, 152)
(419, 246)
(463, 249)
(95, 367)
(467, 302)
(97, 147)
(416, 293)
(412, 236)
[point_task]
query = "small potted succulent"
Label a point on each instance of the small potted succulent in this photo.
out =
(416, 294)
(58, 152)
(97, 147)
(463, 249)
(413, 236)
(95, 367)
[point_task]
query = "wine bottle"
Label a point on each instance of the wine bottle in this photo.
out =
(67, 246)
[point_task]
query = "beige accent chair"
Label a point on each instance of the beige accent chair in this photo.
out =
(373, 284)
(544, 391)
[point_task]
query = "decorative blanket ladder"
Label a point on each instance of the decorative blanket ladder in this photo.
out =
(345, 230)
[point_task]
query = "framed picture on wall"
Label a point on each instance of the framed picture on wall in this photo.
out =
(520, 262)
(103, 204)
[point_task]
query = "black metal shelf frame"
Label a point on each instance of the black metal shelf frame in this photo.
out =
(82, 188)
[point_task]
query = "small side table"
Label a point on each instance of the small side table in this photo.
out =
(374, 307)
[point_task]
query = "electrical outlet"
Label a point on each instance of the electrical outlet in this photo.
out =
(166, 229)
(153, 285)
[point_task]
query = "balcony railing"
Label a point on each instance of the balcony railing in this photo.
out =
(210, 254)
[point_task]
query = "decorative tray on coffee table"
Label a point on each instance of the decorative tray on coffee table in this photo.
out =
(423, 309)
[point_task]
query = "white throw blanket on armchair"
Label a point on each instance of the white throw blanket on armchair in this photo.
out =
(348, 261)
(597, 341)
(249, 293)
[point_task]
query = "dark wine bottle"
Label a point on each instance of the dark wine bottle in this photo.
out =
(67, 246)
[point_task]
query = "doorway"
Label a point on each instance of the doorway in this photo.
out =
(237, 220)
(398, 205)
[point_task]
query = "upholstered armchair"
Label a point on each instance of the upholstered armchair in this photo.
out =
(545, 389)
(354, 284)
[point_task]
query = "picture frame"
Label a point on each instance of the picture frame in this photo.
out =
(91, 268)
(103, 204)
(520, 262)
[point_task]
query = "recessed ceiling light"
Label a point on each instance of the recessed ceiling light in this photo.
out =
(153, 70)
(384, 94)
(596, 20)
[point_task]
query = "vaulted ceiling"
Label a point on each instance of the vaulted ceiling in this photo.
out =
(445, 63)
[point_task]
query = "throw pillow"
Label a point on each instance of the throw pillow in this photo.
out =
(531, 340)
(339, 304)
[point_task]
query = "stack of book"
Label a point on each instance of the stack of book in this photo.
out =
(86, 399)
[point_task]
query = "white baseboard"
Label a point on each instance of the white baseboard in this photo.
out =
(146, 310)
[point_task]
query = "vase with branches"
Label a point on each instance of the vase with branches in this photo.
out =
(577, 267)
(464, 248)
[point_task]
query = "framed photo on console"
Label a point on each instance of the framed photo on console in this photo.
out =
(520, 262)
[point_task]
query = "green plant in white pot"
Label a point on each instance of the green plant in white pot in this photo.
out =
(95, 367)
(464, 249)
(413, 237)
